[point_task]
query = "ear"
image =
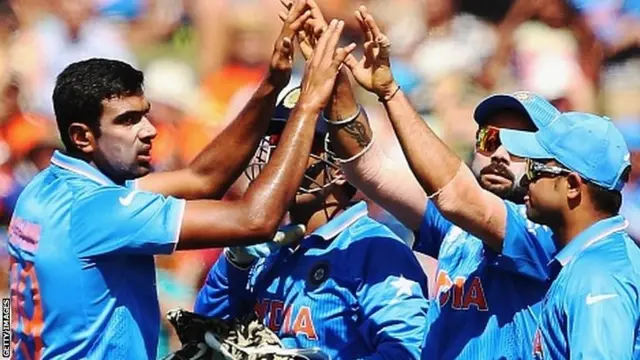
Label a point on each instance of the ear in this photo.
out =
(82, 137)
(574, 186)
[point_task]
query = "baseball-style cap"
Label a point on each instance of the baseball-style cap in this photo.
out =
(539, 110)
(286, 101)
(587, 144)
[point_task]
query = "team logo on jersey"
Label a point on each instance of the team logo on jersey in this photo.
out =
(537, 346)
(288, 319)
(522, 95)
(319, 273)
(291, 98)
(463, 293)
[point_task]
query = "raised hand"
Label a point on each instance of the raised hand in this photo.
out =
(373, 71)
(282, 58)
(313, 27)
(323, 66)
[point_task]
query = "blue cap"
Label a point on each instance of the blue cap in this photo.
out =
(539, 110)
(587, 144)
(286, 101)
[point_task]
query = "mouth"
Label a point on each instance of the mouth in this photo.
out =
(145, 155)
(496, 179)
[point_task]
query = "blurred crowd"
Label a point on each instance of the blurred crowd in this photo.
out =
(203, 58)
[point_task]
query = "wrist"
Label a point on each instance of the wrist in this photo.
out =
(277, 79)
(388, 91)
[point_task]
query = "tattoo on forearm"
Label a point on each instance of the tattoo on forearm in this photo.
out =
(358, 132)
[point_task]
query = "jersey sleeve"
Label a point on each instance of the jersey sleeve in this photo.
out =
(393, 298)
(117, 220)
(433, 229)
(528, 247)
(226, 293)
(602, 317)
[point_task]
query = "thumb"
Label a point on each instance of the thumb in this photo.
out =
(351, 62)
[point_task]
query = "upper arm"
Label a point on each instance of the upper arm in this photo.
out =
(393, 297)
(602, 317)
(527, 247)
(225, 293)
(475, 210)
(212, 223)
(390, 183)
(183, 184)
(120, 220)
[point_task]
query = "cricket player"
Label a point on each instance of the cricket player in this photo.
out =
(576, 168)
(84, 231)
(351, 288)
(491, 276)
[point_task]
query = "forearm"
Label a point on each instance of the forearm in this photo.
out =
(224, 159)
(431, 161)
(386, 181)
(272, 192)
(390, 183)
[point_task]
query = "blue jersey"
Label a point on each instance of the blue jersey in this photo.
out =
(592, 310)
(352, 289)
(486, 303)
(82, 273)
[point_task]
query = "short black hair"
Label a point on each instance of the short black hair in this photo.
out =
(605, 200)
(81, 88)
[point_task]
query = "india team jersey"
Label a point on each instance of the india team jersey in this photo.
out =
(352, 289)
(486, 304)
(82, 273)
(592, 310)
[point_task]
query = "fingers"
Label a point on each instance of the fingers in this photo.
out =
(334, 38)
(282, 15)
(287, 46)
(319, 53)
(378, 36)
(351, 61)
(315, 11)
(287, 4)
(299, 22)
(363, 25)
(342, 54)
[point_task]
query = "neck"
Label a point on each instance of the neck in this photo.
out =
(574, 225)
(84, 157)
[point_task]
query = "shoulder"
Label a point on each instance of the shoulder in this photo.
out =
(367, 231)
(606, 266)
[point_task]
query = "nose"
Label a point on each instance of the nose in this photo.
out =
(147, 131)
(501, 155)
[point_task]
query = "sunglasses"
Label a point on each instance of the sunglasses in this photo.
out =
(488, 139)
(536, 170)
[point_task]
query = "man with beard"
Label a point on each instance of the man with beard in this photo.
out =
(492, 260)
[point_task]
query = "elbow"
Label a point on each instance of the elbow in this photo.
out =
(261, 226)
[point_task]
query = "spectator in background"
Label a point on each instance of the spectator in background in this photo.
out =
(631, 193)
(72, 30)
(616, 24)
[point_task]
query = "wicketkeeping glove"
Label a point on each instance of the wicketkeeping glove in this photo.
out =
(242, 339)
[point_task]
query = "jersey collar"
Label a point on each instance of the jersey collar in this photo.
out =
(596, 232)
(341, 222)
(79, 167)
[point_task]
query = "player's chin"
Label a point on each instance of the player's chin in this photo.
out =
(142, 169)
